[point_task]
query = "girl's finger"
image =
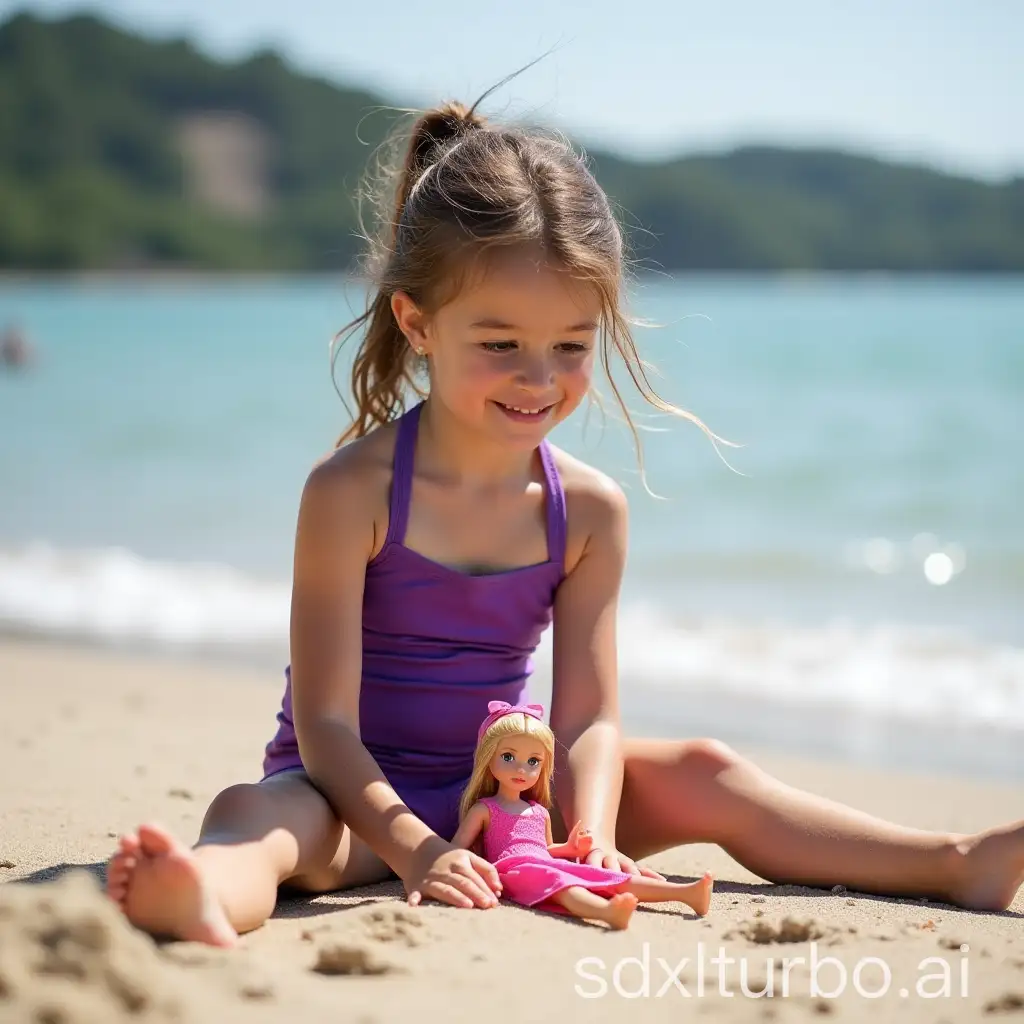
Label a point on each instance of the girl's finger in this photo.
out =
(414, 898)
(651, 873)
(488, 870)
(468, 881)
(625, 864)
(448, 894)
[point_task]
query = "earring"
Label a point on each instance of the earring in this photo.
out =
(419, 350)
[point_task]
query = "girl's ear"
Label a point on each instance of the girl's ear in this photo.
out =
(410, 320)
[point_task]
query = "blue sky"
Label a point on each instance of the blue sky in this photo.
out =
(935, 81)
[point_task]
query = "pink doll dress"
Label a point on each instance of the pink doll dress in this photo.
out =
(516, 844)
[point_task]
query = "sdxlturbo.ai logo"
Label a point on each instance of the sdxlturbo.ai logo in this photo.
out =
(816, 975)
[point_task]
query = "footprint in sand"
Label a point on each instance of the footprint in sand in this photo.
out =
(381, 927)
(1008, 1002)
(353, 958)
(790, 929)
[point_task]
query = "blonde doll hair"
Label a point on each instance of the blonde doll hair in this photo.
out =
(483, 783)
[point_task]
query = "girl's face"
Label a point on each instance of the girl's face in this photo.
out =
(513, 354)
(518, 762)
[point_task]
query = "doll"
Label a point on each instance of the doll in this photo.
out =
(506, 804)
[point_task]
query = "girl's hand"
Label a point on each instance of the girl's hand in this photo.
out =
(604, 855)
(451, 875)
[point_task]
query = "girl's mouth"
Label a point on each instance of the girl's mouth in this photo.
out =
(525, 414)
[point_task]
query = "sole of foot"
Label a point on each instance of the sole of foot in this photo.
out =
(158, 883)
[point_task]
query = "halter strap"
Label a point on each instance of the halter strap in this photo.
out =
(555, 507)
(401, 489)
(401, 475)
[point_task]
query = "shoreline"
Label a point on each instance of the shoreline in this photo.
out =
(843, 737)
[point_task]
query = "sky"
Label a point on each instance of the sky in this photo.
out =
(930, 81)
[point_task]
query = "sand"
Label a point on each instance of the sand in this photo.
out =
(94, 742)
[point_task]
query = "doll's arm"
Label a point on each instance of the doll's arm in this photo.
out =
(475, 822)
(577, 845)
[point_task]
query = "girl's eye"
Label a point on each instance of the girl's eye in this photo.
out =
(498, 346)
(574, 347)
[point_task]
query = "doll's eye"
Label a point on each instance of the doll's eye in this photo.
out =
(533, 762)
(506, 757)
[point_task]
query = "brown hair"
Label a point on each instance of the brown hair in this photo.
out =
(462, 187)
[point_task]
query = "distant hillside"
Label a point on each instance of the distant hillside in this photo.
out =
(119, 152)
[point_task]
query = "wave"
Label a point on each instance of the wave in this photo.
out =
(115, 596)
(894, 671)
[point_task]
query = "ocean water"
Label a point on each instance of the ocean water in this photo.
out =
(850, 581)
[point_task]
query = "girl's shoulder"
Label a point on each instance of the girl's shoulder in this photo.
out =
(351, 485)
(596, 508)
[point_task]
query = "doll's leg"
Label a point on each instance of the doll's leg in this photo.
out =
(254, 838)
(696, 895)
(581, 902)
(677, 792)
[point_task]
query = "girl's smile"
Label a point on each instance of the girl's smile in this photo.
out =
(532, 414)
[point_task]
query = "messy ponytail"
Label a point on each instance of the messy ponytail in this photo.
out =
(461, 187)
(383, 368)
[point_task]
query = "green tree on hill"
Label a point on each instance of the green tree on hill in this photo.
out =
(118, 151)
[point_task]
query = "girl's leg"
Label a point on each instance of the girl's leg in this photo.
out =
(582, 902)
(696, 895)
(254, 838)
(677, 792)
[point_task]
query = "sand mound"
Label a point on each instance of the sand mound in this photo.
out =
(67, 956)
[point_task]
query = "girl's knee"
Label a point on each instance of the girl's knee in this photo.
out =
(707, 756)
(241, 802)
(254, 809)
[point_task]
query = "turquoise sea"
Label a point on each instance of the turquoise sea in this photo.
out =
(853, 584)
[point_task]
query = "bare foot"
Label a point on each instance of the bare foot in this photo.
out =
(157, 883)
(620, 910)
(698, 896)
(991, 868)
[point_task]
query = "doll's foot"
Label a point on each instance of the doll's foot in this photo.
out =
(698, 898)
(156, 881)
(619, 910)
(990, 868)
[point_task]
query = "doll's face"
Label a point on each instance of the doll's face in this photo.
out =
(518, 762)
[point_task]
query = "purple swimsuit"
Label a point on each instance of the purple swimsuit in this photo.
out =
(438, 644)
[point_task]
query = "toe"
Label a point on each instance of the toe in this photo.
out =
(156, 841)
(128, 844)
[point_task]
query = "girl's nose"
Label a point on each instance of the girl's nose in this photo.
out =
(535, 373)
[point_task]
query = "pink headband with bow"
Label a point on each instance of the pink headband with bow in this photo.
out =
(499, 709)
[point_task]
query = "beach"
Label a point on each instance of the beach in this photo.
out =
(99, 740)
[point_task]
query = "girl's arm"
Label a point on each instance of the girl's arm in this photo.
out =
(334, 542)
(584, 696)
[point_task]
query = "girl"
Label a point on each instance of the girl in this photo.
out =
(435, 546)
(515, 754)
